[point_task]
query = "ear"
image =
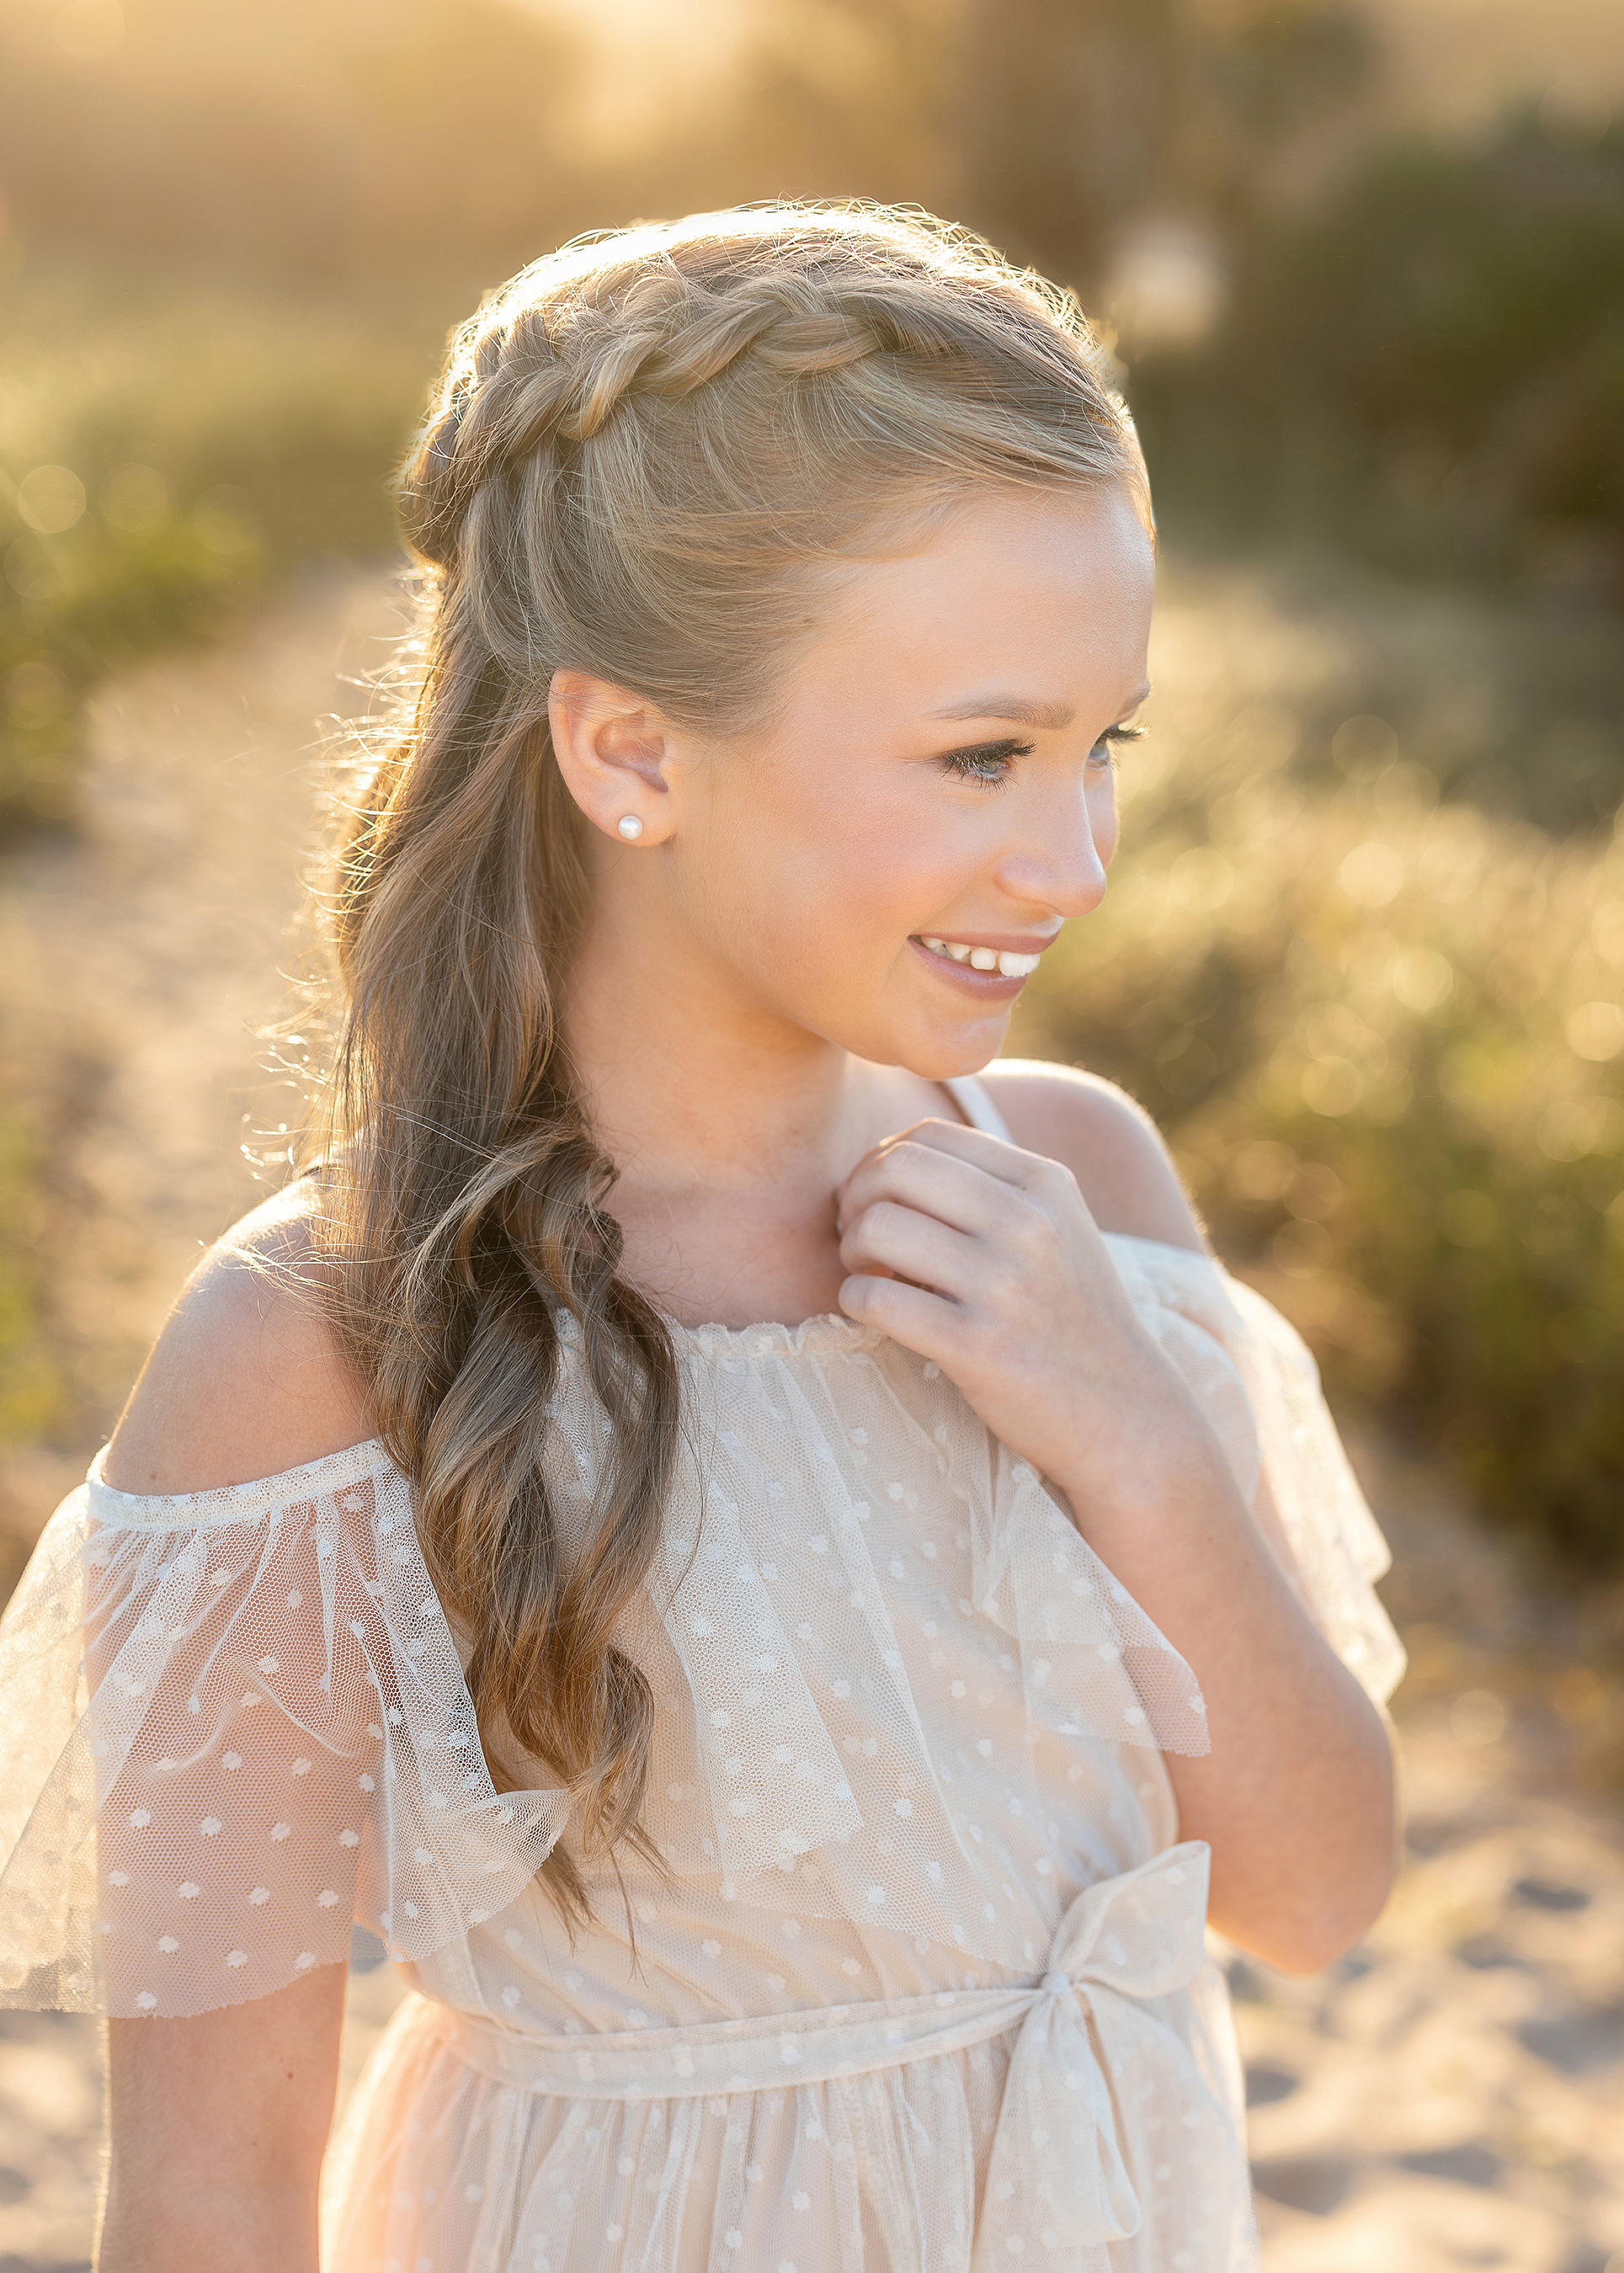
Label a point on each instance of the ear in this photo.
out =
(614, 751)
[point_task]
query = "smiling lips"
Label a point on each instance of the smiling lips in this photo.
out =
(1007, 964)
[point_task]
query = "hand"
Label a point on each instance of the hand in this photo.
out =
(986, 1259)
(997, 1272)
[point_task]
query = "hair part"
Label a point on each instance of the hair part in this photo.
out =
(645, 452)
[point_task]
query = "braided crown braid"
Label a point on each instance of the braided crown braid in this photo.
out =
(642, 456)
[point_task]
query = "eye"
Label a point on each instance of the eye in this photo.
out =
(988, 762)
(1104, 752)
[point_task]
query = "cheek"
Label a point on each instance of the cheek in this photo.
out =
(852, 863)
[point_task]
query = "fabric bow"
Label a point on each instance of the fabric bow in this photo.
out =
(1090, 2045)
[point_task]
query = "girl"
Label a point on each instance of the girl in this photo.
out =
(796, 1762)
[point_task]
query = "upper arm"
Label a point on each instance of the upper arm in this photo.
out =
(246, 1378)
(1112, 1145)
(218, 2121)
(216, 2129)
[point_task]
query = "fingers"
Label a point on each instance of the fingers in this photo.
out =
(912, 1315)
(893, 1237)
(938, 1179)
(962, 1176)
(919, 1177)
(955, 1140)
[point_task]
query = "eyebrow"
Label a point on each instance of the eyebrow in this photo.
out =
(1020, 712)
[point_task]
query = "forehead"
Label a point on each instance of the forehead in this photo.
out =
(1046, 598)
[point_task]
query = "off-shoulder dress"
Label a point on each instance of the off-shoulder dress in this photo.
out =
(920, 1982)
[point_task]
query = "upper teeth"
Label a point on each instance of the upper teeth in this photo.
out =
(984, 958)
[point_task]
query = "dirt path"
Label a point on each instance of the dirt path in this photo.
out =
(1450, 2096)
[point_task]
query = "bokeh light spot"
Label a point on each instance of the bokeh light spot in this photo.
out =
(51, 498)
(1596, 1030)
(1371, 874)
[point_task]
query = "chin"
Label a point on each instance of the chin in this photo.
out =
(944, 1057)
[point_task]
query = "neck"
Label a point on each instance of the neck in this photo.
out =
(689, 1084)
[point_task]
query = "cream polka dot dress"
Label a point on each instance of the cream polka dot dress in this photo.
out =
(921, 1980)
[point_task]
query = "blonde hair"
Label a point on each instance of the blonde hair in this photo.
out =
(641, 452)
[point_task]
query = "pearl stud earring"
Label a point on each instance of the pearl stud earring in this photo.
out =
(629, 826)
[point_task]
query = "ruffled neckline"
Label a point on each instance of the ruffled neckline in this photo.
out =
(831, 1332)
(827, 1335)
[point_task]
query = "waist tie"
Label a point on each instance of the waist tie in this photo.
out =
(1087, 2045)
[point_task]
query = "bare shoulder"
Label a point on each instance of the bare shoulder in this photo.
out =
(245, 1379)
(1112, 1145)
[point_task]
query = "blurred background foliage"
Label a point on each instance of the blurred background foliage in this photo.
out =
(1363, 270)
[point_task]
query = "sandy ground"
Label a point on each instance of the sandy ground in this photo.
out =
(1450, 2096)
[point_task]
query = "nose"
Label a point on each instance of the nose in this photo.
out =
(1056, 862)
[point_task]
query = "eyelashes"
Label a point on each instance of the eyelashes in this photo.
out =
(984, 761)
(989, 762)
(1115, 734)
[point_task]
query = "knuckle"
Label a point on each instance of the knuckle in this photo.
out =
(959, 1328)
(857, 1223)
(1009, 1284)
(908, 1161)
(1029, 1223)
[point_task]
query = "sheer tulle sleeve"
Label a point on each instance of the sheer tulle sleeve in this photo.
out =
(1336, 1545)
(1259, 1385)
(231, 1723)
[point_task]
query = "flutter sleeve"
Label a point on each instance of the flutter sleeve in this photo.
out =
(231, 1723)
(1259, 1386)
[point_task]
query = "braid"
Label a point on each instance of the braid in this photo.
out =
(535, 371)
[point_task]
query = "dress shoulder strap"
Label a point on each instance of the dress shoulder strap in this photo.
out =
(970, 1096)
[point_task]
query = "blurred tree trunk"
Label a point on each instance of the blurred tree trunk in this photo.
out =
(1077, 117)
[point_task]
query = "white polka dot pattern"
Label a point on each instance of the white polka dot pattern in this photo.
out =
(907, 1724)
(234, 1722)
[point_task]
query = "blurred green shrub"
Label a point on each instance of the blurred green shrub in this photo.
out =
(154, 469)
(31, 1388)
(1384, 1036)
(1429, 359)
(1079, 116)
